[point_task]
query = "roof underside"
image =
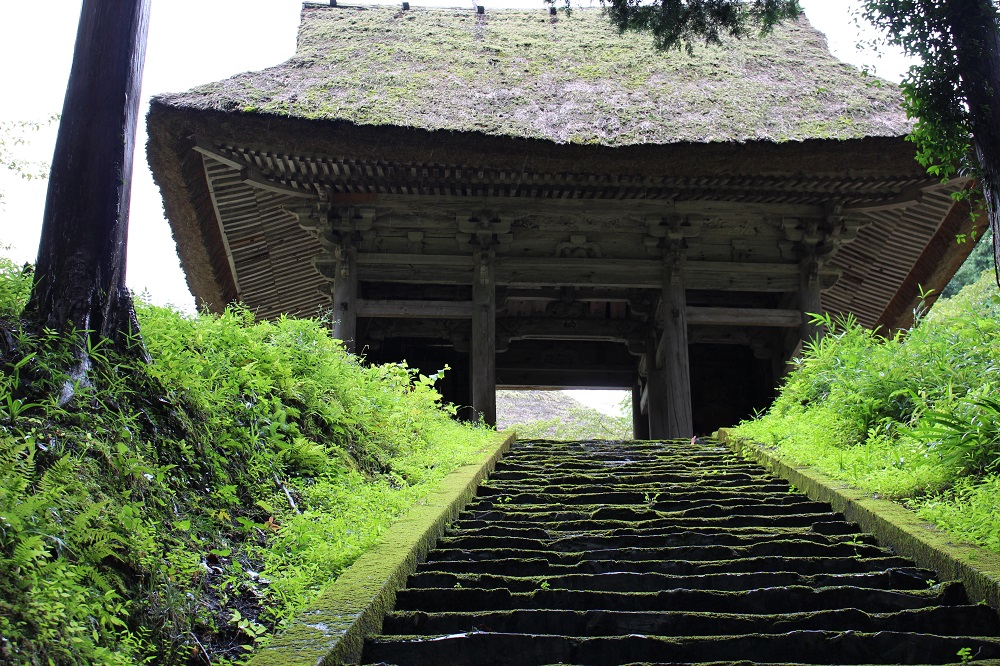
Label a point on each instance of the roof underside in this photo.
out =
(567, 79)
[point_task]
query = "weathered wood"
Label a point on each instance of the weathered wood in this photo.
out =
(713, 316)
(810, 297)
(673, 351)
(415, 309)
(533, 272)
(640, 424)
(345, 295)
(589, 377)
(80, 269)
(656, 400)
(448, 205)
(483, 352)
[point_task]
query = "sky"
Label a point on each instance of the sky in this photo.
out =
(198, 41)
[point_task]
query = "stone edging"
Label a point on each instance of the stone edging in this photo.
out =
(332, 630)
(893, 525)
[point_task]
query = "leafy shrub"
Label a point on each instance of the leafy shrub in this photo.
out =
(911, 417)
(180, 511)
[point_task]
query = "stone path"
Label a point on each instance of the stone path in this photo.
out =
(667, 553)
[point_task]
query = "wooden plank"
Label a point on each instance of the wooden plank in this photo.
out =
(483, 341)
(673, 350)
(536, 272)
(565, 378)
(345, 294)
(415, 309)
(714, 316)
(656, 398)
(810, 299)
(518, 207)
(640, 424)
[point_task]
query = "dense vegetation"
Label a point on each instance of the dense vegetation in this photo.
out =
(177, 512)
(913, 417)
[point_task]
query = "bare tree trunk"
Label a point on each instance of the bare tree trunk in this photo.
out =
(80, 270)
(977, 41)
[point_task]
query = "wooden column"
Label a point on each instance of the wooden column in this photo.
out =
(483, 343)
(656, 395)
(673, 348)
(640, 424)
(345, 296)
(810, 300)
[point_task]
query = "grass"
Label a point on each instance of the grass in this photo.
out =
(910, 418)
(181, 511)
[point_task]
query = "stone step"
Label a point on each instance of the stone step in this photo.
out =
(786, 599)
(807, 647)
(627, 581)
(946, 621)
(543, 567)
(637, 515)
(579, 542)
(629, 553)
(777, 547)
(834, 531)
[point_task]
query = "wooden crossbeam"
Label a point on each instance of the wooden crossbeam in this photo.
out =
(407, 309)
(712, 316)
(520, 272)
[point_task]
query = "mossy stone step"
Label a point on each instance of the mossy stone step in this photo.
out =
(785, 599)
(543, 567)
(648, 485)
(621, 581)
(666, 553)
(504, 649)
(576, 542)
(944, 621)
(843, 532)
(627, 515)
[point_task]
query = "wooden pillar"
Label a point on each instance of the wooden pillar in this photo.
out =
(483, 343)
(810, 300)
(673, 348)
(640, 424)
(345, 296)
(656, 396)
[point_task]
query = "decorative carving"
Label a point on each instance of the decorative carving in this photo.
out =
(578, 247)
(415, 242)
(666, 231)
(483, 230)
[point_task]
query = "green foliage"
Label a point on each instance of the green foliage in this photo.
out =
(925, 29)
(677, 24)
(579, 423)
(180, 511)
(14, 134)
(911, 417)
(979, 260)
(15, 286)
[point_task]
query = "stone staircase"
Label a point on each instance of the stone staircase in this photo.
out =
(600, 552)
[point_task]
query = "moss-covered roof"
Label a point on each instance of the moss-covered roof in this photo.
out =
(567, 79)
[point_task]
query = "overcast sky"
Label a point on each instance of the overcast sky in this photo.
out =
(193, 42)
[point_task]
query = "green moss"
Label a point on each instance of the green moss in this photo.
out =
(892, 524)
(333, 629)
(569, 79)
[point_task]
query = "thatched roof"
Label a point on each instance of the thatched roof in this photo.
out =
(567, 79)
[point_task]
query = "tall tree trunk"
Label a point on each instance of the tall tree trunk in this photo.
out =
(977, 42)
(80, 270)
